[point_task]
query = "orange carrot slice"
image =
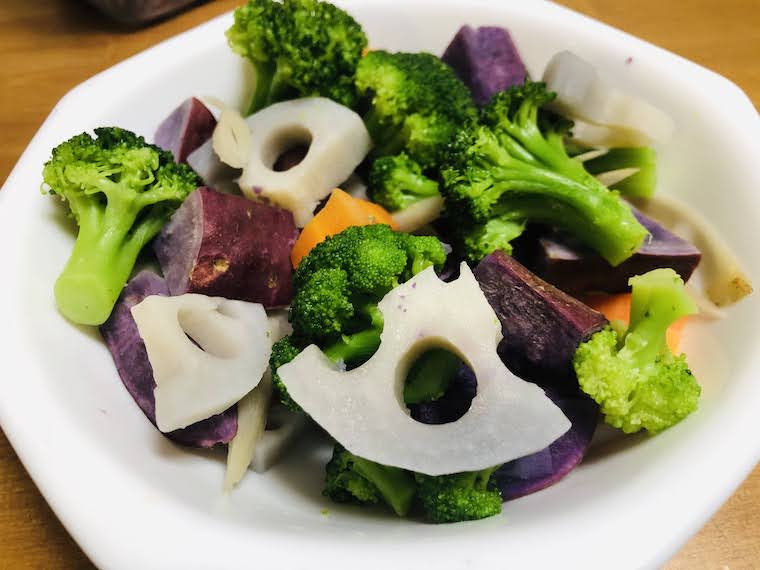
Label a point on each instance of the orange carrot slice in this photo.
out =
(340, 212)
(618, 308)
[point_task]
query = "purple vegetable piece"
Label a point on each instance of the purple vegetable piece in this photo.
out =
(227, 246)
(128, 351)
(542, 326)
(185, 129)
(534, 472)
(453, 404)
(576, 269)
(487, 61)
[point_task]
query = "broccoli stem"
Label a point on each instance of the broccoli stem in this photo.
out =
(264, 75)
(431, 375)
(355, 347)
(101, 261)
(395, 485)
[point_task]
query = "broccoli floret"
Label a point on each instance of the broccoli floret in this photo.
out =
(643, 159)
(351, 479)
(514, 166)
(397, 182)
(299, 48)
(121, 191)
(459, 497)
(638, 382)
(415, 103)
(283, 351)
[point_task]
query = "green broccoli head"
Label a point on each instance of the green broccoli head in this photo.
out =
(397, 182)
(415, 103)
(363, 263)
(283, 351)
(459, 497)
(352, 479)
(299, 48)
(638, 382)
(514, 166)
(121, 191)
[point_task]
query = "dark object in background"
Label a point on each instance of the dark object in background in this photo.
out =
(542, 326)
(185, 129)
(539, 470)
(486, 60)
(453, 404)
(137, 12)
(223, 245)
(574, 268)
(131, 358)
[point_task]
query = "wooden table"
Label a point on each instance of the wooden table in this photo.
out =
(48, 46)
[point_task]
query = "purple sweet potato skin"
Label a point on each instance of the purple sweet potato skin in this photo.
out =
(185, 129)
(534, 472)
(486, 59)
(128, 351)
(577, 270)
(227, 246)
(542, 326)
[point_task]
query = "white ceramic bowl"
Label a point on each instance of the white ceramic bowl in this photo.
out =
(133, 500)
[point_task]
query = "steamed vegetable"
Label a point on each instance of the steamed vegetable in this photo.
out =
(360, 408)
(131, 359)
(542, 326)
(635, 378)
(338, 285)
(121, 191)
(206, 354)
(583, 94)
(338, 142)
(185, 129)
(513, 168)
(226, 246)
(351, 479)
(415, 104)
(532, 473)
(397, 182)
(574, 268)
(460, 496)
(635, 167)
(340, 212)
(299, 48)
(486, 59)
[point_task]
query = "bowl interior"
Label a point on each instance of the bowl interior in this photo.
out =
(631, 478)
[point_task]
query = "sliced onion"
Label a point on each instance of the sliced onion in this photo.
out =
(232, 137)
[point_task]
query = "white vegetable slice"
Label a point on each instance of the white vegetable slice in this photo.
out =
(418, 215)
(214, 173)
(338, 142)
(725, 280)
(252, 412)
(196, 381)
(231, 138)
(582, 94)
(285, 429)
(602, 136)
(612, 177)
(363, 408)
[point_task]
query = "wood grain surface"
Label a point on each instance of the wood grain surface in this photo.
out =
(49, 46)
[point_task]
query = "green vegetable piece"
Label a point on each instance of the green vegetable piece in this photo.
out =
(514, 166)
(397, 182)
(121, 191)
(283, 351)
(299, 48)
(430, 375)
(638, 382)
(351, 479)
(639, 185)
(459, 497)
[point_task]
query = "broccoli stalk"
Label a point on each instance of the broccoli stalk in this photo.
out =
(643, 159)
(121, 191)
(351, 479)
(514, 168)
(431, 375)
(414, 103)
(638, 382)
(459, 497)
(397, 182)
(299, 48)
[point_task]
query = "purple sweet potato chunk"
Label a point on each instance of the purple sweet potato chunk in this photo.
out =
(227, 246)
(544, 468)
(185, 129)
(487, 61)
(576, 269)
(128, 351)
(542, 326)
